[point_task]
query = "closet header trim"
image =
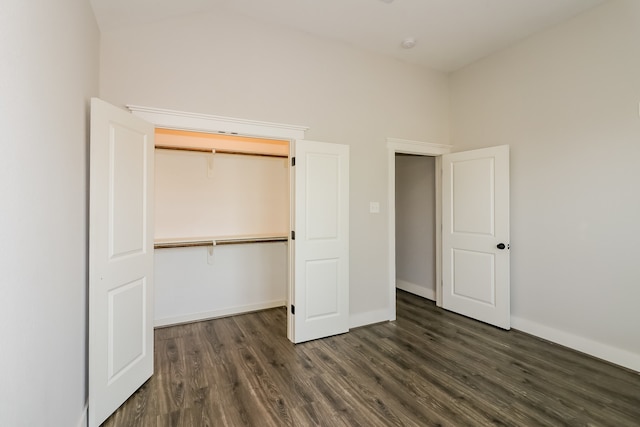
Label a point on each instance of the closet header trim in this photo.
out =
(181, 120)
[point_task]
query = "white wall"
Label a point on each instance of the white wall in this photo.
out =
(204, 195)
(48, 71)
(566, 101)
(415, 225)
(228, 65)
(191, 285)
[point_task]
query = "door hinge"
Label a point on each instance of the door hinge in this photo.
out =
(293, 235)
(293, 161)
(293, 309)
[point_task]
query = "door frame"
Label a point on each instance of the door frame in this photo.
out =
(180, 120)
(404, 146)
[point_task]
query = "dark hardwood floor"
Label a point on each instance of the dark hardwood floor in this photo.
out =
(428, 368)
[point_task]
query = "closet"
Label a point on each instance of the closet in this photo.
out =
(221, 225)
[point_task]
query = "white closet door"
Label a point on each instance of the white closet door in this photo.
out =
(475, 234)
(321, 246)
(120, 258)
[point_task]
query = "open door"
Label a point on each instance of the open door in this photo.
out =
(320, 279)
(475, 234)
(120, 258)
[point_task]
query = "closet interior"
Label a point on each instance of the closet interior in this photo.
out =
(221, 225)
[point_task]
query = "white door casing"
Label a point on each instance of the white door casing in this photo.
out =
(475, 223)
(182, 120)
(120, 258)
(394, 146)
(320, 293)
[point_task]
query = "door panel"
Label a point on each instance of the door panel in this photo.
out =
(322, 288)
(126, 326)
(473, 204)
(321, 247)
(473, 276)
(322, 201)
(127, 191)
(120, 258)
(475, 219)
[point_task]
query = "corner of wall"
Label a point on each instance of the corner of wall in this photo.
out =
(368, 318)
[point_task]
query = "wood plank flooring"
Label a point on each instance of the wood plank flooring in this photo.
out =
(429, 368)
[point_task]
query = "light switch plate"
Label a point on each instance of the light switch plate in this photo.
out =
(374, 207)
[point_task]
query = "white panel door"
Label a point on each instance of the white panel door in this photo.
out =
(120, 258)
(475, 234)
(320, 288)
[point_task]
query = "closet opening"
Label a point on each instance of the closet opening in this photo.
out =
(221, 225)
(415, 224)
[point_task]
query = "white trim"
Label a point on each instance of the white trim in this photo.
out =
(395, 145)
(408, 146)
(368, 318)
(84, 417)
(606, 352)
(438, 225)
(418, 290)
(225, 312)
(182, 120)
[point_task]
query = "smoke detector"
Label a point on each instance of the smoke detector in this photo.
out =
(408, 43)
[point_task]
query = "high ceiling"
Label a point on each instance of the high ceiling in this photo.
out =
(449, 34)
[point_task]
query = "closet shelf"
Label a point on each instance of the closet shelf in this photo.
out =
(221, 151)
(217, 241)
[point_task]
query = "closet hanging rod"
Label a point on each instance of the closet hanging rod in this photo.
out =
(215, 242)
(221, 151)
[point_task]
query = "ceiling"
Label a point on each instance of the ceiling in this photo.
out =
(449, 33)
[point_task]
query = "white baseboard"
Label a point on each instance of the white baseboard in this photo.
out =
(412, 288)
(371, 317)
(368, 318)
(224, 312)
(355, 320)
(84, 418)
(602, 351)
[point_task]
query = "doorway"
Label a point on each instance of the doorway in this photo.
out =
(221, 204)
(402, 146)
(415, 225)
